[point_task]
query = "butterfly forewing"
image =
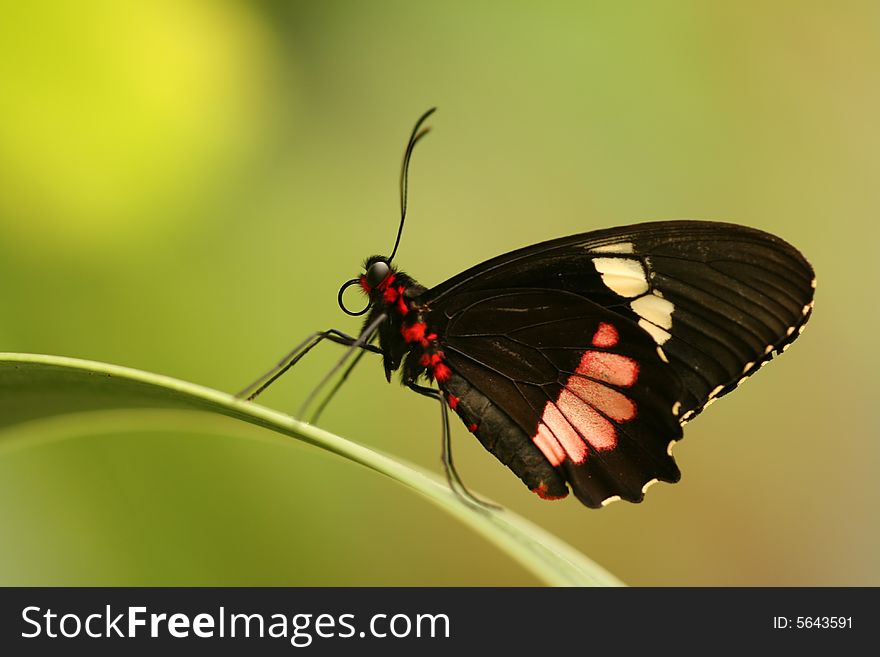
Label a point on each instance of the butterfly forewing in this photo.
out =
(718, 298)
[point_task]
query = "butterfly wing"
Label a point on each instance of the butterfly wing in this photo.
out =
(585, 355)
(563, 380)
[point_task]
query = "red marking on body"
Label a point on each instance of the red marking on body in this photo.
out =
(364, 285)
(610, 368)
(549, 446)
(442, 372)
(452, 400)
(608, 401)
(472, 427)
(431, 360)
(595, 429)
(414, 332)
(606, 336)
(568, 437)
(391, 294)
(402, 308)
(388, 280)
(542, 492)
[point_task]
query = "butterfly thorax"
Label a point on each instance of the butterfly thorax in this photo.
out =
(405, 336)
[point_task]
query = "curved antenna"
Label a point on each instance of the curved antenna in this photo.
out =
(417, 133)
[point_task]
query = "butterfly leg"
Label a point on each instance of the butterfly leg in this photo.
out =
(452, 476)
(336, 387)
(251, 391)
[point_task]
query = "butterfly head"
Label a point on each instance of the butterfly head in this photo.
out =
(374, 282)
(377, 274)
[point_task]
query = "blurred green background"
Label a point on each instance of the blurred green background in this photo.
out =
(184, 184)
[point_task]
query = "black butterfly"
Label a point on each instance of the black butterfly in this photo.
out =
(577, 361)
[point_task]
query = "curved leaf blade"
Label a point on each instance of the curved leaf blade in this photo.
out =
(34, 386)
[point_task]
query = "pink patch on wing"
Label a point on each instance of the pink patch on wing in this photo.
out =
(607, 401)
(595, 429)
(571, 442)
(549, 446)
(610, 368)
(586, 409)
(606, 336)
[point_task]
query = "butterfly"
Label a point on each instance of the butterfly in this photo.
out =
(576, 362)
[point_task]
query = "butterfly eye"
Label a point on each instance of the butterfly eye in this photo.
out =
(377, 273)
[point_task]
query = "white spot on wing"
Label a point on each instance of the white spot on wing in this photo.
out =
(623, 276)
(660, 336)
(670, 446)
(768, 349)
(748, 366)
(789, 331)
(676, 407)
(655, 309)
(623, 247)
(806, 308)
(613, 498)
(662, 354)
(649, 484)
(716, 391)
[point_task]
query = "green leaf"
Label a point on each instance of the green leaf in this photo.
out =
(35, 386)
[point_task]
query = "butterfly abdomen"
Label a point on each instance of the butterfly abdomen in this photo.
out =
(503, 438)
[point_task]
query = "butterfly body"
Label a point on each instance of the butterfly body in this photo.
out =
(577, 361)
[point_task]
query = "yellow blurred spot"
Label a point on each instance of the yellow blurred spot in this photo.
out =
(115, 116)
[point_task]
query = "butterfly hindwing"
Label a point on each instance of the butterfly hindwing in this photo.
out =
(582, 385)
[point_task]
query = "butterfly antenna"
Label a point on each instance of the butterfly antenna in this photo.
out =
(417, 133)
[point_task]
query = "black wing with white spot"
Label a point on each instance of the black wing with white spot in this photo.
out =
(676, 314)
(718, 299)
